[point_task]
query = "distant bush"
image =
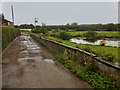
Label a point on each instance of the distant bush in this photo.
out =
(8, 35)
(42, 29)
(64, 35)
(91, 36)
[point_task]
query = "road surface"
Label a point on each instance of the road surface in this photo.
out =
(29, 65)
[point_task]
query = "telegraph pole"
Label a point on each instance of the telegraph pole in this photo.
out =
(12, 14)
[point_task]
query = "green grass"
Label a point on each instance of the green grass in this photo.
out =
(77, 33)
(99, 33)
(101, 51)
(112, 34)
(108, 33)
(87, 73)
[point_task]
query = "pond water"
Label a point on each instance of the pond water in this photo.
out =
(108, 42)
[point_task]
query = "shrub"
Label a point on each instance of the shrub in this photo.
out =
(102, 42)
(40, 35)
(44, 30)
(108, 56)
(91, 36)
(64, 35)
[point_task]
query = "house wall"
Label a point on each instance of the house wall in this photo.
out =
(6, 22)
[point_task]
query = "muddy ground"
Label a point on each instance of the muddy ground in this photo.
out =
(25, 64)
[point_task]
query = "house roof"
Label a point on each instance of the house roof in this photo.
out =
(6, 20)
(3, 19)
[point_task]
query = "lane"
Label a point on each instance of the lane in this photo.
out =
(29, 65)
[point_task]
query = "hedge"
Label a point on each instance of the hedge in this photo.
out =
(9, 33)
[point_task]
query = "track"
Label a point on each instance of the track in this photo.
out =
(29, 65)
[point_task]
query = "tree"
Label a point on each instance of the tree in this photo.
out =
(74, 24)
(43, 24)
(27, 26)
(111, 27)
(43, 30)
(16, 26)
(67, 24)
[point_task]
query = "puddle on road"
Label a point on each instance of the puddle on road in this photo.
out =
(31, 60)
(49, 60)
(31, 53)
(36, 59)
(28, 46)
(24, 52)
(23, 59)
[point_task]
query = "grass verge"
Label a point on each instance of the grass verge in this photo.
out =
(86, 73)
(99, 33)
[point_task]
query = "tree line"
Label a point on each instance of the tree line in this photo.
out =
(75, 27)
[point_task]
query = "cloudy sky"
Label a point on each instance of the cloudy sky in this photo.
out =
(62, 12)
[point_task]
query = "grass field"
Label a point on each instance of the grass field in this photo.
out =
(105, 52)
(99, 33)
(112, 34)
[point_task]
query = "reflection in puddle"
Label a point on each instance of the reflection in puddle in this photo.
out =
(49, 60)
(24, 52)
(24, 59)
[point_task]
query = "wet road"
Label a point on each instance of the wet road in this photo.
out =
(29, 65)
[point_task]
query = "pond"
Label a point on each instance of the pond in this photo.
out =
(109, 42)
